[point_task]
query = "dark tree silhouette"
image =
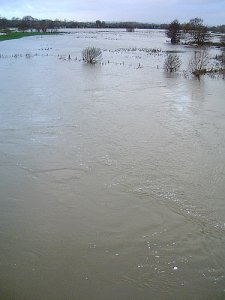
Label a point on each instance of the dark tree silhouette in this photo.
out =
(3, 23)
(23, 25)
(30, 21)
(98, 24)
(174, 32)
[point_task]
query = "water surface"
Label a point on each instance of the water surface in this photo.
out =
(111, 176)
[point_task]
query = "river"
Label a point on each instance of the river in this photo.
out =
(112, 176)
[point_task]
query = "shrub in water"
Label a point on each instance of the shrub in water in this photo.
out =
(199, 62)
(91, 55)
(172, 63)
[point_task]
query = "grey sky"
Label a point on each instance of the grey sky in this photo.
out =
(212, 11)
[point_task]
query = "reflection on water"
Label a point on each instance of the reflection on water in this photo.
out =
(112, 177)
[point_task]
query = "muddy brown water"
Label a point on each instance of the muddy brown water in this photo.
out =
(112, 177)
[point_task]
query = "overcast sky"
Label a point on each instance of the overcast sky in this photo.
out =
(157, 11)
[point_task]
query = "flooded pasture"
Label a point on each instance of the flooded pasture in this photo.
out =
(112, 176)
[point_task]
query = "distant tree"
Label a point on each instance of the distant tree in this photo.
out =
(221, 57)
(197, 31)
(57, 24)
(174, 32)
(222, 40)
(29, 21)
(220, 28)
(199, 62)
(130, 26)
(91, 55)
(223, 63)
(3, 23)
(185, 27)
(23, 25)
(14, 22)
(130, 29)
(98, 24)
(44, 25)
(172, 63)
(37, 26)
(51, 26)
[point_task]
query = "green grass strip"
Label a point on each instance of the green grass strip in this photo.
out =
(18, 35)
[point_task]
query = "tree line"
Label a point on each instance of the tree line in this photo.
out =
(175, 28)
(194, 30)
(30, 23)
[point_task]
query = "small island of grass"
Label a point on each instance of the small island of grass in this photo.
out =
(17, 35)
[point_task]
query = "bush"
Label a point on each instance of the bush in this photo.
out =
(172, 63)
(130, 29)
(199, 62)
(91, 55)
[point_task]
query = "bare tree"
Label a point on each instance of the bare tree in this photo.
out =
(3, 23)
(172, 63)
(198, 31)
(91, 55)
(29, 21)
(222, 40)
(199, 62)
(174, 32)
(223, 58)
(23, 26)
(44, 25)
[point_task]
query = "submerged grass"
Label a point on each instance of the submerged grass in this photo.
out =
(18, 35)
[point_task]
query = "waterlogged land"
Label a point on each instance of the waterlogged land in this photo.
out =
(112, 175)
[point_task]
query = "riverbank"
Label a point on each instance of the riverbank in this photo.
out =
(18, 35)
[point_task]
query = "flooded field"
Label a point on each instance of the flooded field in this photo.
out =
(112, 176)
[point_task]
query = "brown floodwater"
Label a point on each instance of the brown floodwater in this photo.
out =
(112, 177)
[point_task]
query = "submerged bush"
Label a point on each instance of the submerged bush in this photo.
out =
(199, 62)
(172, 63)
(130, 29)
(91, 55)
